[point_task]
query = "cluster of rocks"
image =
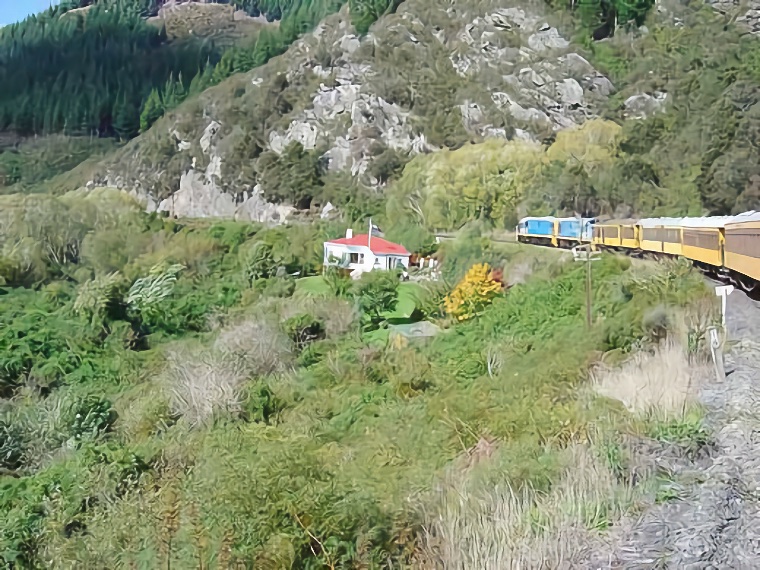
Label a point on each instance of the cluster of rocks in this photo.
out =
(539, 82)
(515, 75)
(746, 14)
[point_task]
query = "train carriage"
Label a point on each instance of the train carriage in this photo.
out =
(661, 235)
(741, 250)
(616, 234)
(703, 239)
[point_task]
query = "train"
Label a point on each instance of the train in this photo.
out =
(727, 247)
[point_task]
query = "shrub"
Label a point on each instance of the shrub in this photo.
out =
(687, 430)
(259, 343)
(92, 416)
(187, 308)
(407, 371)
(232, 234)
(203, 385)
(304, 329)
(99, 297)
(376, 293)
(148, 293)
(259, 403)
(258, 261)
(432, 298)
(338, 282)
(276, 287)
(11, 446)
(473, 294)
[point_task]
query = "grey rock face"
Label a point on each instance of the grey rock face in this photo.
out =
(644, 105)
(510, 70)
(746, 13)
(199, 198)
(546, 88)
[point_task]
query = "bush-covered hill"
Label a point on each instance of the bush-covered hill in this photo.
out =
(429, 76)
(183, 394)
(88, 73)
(440, 75)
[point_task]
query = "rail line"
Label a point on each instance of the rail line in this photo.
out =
(725, 247)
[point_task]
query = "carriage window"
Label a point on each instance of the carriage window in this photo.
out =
(743, 242)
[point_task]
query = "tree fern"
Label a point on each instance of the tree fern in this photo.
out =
(147, 292)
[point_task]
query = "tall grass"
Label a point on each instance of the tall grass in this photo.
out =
(501, 527)
(662, 378)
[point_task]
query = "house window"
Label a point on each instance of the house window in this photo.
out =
(356, 258)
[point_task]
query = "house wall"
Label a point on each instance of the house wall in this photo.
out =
(341, 251)
(369, 260)
(387, 260)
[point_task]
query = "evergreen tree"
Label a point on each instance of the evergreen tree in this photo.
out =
(152, 110)
(64, 72)
(126, 118)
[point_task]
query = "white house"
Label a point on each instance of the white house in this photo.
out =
(365, 252)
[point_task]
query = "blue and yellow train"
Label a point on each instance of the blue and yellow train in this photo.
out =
(728, 246)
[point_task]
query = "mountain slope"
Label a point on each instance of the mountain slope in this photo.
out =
(432, 75)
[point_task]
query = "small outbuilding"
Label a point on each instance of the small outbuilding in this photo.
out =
(365, 252)
(401, 335)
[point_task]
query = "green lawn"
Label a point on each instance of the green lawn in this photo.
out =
(407, 295)
(314, 285)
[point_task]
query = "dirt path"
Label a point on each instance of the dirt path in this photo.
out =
(715, 522)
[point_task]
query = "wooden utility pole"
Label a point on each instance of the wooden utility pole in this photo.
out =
(589, 291)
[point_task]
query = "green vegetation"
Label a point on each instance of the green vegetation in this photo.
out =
(32, 165)
(180, 399)
(199, 394)
(87, 73)
(106, 72)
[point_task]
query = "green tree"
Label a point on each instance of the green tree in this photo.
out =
(365, 12)
(152, 110)
(295, 176)
(126, 119)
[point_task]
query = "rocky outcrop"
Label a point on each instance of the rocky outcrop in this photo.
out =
(746, 13)
(644, 105)
(498, 68)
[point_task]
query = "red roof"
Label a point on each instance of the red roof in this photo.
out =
(378, 245)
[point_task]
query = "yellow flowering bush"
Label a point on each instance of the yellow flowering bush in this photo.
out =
(473, 293)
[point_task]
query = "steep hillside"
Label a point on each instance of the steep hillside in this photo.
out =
(432, 75)
(88, 72)
(339, 109)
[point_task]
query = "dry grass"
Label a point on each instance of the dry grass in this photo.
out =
(501, 528)
(663, 379)
(259, 343)
(207, 382)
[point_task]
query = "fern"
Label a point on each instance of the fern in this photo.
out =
(149, 291)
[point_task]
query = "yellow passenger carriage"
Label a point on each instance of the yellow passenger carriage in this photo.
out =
(703, 239)
(661, 235)
(741, 250)
(616, 234)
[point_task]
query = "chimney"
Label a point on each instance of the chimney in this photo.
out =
(349, 233)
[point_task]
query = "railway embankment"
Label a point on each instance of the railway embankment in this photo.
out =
(710, 518)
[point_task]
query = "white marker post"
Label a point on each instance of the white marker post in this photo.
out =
(723, 291)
